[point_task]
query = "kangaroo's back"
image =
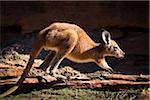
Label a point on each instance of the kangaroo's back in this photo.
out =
(84, 41)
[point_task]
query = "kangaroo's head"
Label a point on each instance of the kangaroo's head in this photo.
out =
(111, 48)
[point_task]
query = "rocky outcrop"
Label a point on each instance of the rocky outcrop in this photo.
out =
(90, 15)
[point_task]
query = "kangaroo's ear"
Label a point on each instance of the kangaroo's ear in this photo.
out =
(106, 37)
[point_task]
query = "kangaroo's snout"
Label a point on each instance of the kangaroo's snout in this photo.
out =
(121, 55)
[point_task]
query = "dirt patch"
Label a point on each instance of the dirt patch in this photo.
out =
(12, 58)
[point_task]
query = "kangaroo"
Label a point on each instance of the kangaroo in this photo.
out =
(67, 40)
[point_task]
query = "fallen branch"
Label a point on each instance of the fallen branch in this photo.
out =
(14, 71)
(76, 83)
(109, 81)
(127, 77)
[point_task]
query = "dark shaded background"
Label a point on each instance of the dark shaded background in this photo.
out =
(127, 21)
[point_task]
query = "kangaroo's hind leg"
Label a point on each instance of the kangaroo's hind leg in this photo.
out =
(60, 55)
(47, 60)
(64, 48)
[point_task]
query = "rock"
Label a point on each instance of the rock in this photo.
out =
(34, 15)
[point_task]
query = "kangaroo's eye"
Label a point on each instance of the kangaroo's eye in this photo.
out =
(115, 48)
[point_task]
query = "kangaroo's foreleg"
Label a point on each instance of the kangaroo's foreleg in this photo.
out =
(103, 64)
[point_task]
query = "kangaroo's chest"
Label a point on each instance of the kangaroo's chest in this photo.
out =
(76, 56)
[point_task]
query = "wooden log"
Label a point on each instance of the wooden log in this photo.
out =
(127, 77)
(111, 80)
(15, 71)
(100, 83)
(96, 83)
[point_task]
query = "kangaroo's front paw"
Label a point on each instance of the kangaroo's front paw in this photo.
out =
(110, 70)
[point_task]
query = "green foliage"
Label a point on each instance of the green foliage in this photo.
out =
(77, 94)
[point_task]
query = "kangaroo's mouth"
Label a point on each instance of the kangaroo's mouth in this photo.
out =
(120, 56)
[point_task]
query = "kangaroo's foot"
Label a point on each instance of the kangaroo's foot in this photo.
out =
(55, 74)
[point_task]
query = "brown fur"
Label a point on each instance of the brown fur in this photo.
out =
(69, 41)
